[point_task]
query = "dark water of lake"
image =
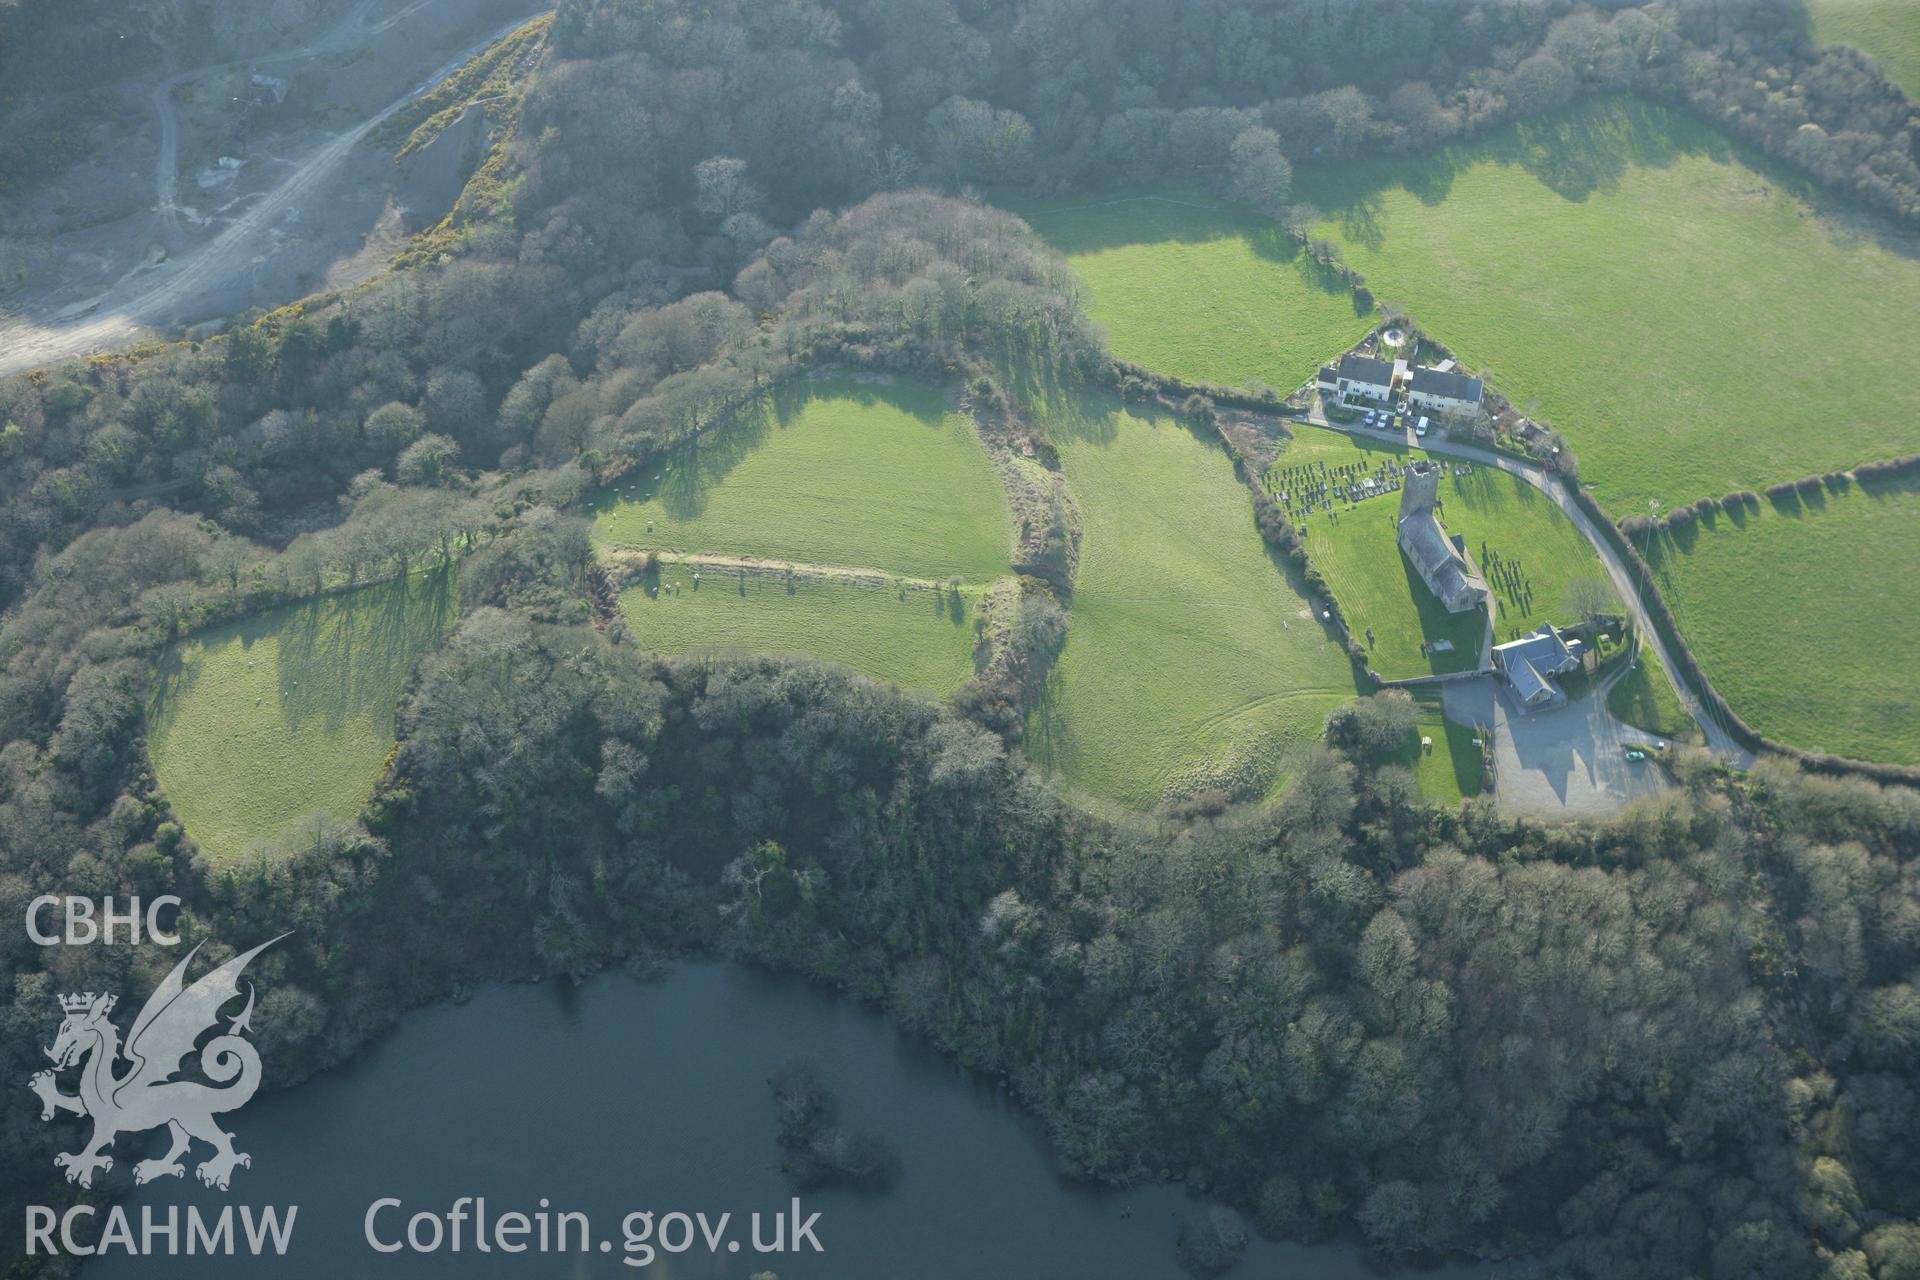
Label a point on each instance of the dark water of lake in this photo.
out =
(624, 1095)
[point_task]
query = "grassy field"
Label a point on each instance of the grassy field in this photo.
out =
(1604, 265)
(1190, 661)
(1644, 698)
(1209, 293)
(918, 639)
(257, 725)
(1530, 551)
(1454, 767)
(1692, 321)
(1802, 618)
(835, 473)
(1889, 30)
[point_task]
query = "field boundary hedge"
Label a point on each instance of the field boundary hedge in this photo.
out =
(1169, 389)
(1178, 395)
(1688, 664)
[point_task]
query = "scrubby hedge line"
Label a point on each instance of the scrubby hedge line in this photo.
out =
(1867, 473)
(1198, 402)
(1786, 491)
(1621, 534)
(1278, 532)
(1681, 516)
(1887, 469)
(1139, 383)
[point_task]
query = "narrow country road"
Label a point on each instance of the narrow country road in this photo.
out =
(1718, 739)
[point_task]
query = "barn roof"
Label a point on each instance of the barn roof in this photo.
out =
(1366, 369)
(1450, 386)
(1529, 660)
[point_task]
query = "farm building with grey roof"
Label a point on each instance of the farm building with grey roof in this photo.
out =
(1531, 662)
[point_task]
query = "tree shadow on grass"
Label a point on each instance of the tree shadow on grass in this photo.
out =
(351, 654)
(1456, 740)
(335, 656)
(684, 477)
(1584, 148)
(1123, 220)
(1062, 404)
(950, 605)
(1575, 152)
(1044, 738)
(174, 681)
(1578, 150)
(1126, 217)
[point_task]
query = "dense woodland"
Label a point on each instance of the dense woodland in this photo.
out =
(1679, 1044)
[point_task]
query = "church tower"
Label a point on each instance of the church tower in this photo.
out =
(1420, 488)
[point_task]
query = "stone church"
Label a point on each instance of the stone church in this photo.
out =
(1442, 561)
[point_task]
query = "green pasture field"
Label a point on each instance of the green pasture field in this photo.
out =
(1695, 320)
(1692, 319)
(261, 724)
(919, 639)
(1888, 30)
(846, 473)
(1644, 698)
(1204, 291)
(1190, 660)
(1802, 617)
(1530, 552)
(1454, 768)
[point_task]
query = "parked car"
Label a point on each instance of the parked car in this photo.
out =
(1369, 417)
(1421, 429)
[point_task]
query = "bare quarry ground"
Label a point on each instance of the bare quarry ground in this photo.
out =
(211, 189)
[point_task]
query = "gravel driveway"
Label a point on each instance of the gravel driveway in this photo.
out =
(1567, 762)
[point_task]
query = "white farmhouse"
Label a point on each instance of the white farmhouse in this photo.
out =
(1439, 392)
(1363, 376)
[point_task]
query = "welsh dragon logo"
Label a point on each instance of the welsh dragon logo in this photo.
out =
(146, 1095)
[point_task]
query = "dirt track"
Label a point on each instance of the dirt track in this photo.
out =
(629, 562)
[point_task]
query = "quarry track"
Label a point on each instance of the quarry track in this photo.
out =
(164, 293)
